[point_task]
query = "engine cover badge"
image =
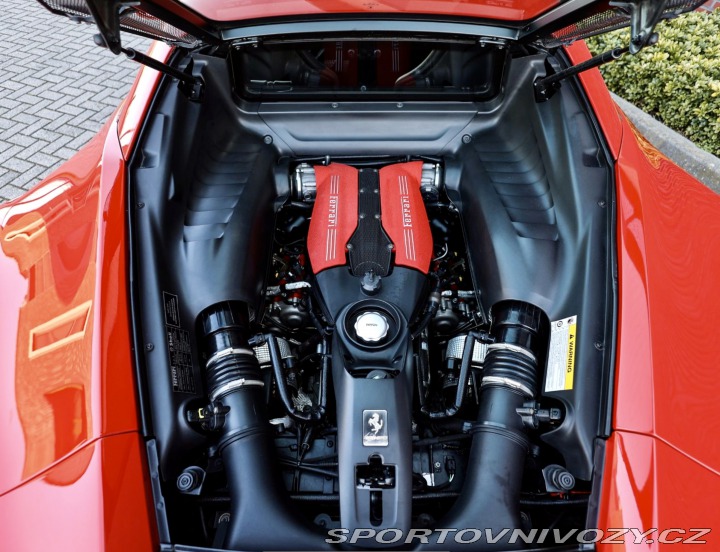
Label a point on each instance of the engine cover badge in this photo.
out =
(375, 433)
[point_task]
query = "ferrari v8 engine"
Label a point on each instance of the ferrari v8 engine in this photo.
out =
(363, 323)
(371, 302)
(368, 390)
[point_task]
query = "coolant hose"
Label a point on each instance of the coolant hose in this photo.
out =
(490, 498)
(261, 517)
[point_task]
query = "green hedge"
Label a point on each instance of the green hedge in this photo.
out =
(677, 80)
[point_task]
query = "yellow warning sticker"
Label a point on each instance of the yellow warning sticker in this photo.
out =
(560, 371)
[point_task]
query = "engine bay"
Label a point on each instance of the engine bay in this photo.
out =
(385, 343)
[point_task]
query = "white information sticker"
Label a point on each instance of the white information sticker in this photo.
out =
(561, 356)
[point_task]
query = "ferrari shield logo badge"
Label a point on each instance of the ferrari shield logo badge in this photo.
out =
(375, 432)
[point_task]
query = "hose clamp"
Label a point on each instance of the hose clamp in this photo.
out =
(226, 352)
(511, 347)
(232, 385)
(507, 382)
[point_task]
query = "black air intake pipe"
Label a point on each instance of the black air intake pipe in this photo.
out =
(491, 494)
(261, 517)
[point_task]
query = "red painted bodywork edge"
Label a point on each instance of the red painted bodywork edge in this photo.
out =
(67, 456)
(84, 201)
(666, 384)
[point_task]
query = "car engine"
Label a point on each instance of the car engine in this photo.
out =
(348, 342)
(371, 387)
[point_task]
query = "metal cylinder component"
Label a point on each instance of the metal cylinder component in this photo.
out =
(456, 348)
(303, 183)
(262, 352)
(431, 175)
(430, 181)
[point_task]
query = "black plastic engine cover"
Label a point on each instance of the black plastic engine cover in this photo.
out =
(373, 389)
(403, 288)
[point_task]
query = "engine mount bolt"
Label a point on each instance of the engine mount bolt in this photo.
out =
(565, 481)
(466, 139)
(185, 482)
(268, 139)
(190, 479)
(140, 205)
(602, 203)
(149, 346)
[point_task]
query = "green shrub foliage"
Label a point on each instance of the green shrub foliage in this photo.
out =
(677, 80)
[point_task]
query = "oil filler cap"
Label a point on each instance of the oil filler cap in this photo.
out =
(371, 327)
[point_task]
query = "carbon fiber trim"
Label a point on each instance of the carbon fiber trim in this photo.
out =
(369, 248)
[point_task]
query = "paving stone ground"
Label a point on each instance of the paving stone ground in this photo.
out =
(56, 90)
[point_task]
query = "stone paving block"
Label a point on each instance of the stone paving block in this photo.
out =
(8, 191)
(30, 177)
(34, 147)
(44, 160)
(54, 94)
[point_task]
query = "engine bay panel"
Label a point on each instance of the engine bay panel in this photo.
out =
(368, 335)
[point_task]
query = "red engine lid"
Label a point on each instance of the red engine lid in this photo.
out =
(334, 217)
(403, 215)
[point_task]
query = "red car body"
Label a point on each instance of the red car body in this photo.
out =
(74, 472)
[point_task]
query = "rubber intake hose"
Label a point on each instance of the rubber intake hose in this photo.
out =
(490, 498)
(259, 503)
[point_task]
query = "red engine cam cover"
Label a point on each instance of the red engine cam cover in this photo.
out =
(403, 215)
(334, 216)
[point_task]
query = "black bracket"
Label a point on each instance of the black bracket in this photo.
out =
(533, 415)
(106, 14)
(190, 85)
(547, 86)
(210, 418)
(644, 15)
